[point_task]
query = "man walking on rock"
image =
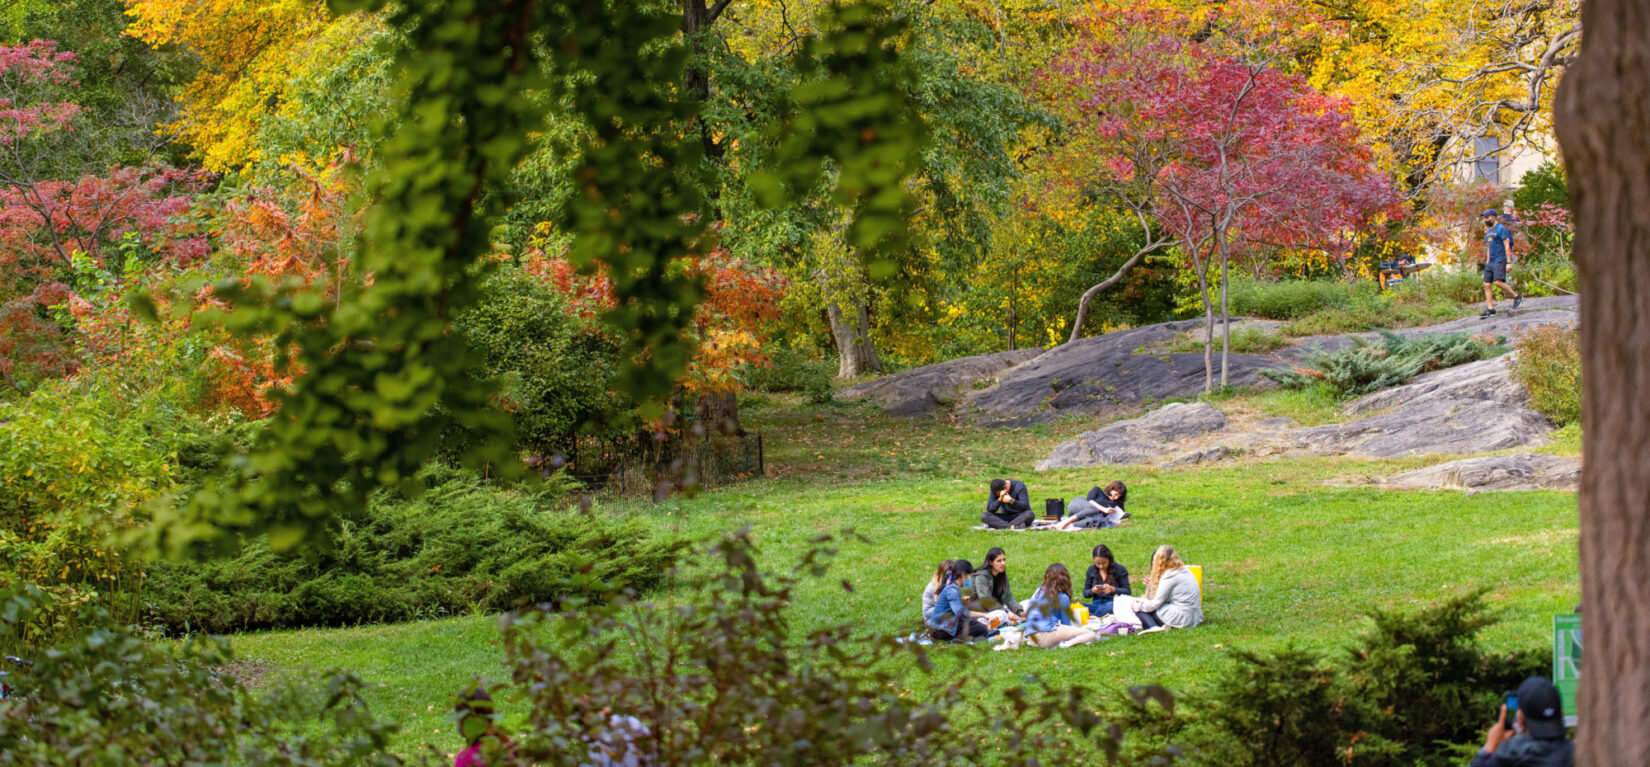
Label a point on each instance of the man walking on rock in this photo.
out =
(1498, 239)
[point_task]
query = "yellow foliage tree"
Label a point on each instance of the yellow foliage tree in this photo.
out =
(251, 52)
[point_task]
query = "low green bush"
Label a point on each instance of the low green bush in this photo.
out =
(1455, 286)
(1247, 340)
(1413, 685)
(460, 546)
(111, 696)
(1548, 363)
(1543, 275)
(1367, 366)
(1417, 688)
(1293, 299)
(791, 371)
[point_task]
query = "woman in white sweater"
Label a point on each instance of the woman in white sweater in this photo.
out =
(1172, 596)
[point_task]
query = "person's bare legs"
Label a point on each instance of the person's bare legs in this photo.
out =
(1489, 296)
(1049, 639)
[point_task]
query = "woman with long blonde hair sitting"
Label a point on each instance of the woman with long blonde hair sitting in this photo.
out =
(1048, 612)
(1173, 598)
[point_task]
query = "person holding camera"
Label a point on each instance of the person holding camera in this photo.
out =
(1535, 737)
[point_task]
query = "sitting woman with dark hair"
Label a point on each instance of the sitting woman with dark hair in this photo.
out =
(988, 590)
(1105, 579)
(1048, 612)
(950, 619)
(1100, 508)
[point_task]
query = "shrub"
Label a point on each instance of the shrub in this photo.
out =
(1544, 185)
(1455, 285)
(1366, 366)
(1292, 299)
(74, 462)
(557, 370)
(1246, 340)
(1548, 363)
(1414, 685)
(111, 697)
(460, 546)
(791, 371)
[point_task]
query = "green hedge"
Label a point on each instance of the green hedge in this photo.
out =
(458, 547)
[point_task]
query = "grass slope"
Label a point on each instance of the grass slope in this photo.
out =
(1286, 558)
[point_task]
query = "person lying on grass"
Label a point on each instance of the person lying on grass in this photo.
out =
(1100, 508)
(932, 591)
(1105, 579)
(1172, 596)
(988, 591)
(951, 620)
(1007, 505)
(1048, 612)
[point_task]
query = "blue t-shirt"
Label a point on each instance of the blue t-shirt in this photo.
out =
(1498, 238)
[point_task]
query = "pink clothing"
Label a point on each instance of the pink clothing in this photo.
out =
(470, 757)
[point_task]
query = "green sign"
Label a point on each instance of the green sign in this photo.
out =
(1567, 662)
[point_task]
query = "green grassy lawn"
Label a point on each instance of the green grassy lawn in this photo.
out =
(1286, 557)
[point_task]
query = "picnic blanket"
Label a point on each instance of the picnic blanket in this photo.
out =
(1035, 529)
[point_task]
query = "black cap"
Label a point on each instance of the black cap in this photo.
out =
(1488, 212)
(1543, 712)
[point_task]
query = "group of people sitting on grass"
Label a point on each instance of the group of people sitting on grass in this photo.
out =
(961, 603)
(1008, 506)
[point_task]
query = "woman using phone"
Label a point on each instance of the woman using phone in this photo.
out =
(1106, 578)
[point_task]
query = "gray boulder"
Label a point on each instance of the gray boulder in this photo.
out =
(1495, 472)
(1472, 408)
(1105, 372)
(1139, 440)
(1490, 380)
(926, 389)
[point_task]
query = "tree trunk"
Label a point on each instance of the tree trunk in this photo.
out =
(698, 17)
(1208, 328)
(1603, 124)
(1088, 295)
(719, 412)
(1225, 318)
(851, 330)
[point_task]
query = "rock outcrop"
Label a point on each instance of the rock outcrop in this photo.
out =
(1104, 372)
(926, 389)
(1495, 472)
(1472, 408)
(1131, 367)
(1138, 440)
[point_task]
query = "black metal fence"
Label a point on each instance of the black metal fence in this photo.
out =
(648, 465)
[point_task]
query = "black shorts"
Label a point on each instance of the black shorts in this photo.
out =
(1495, 271)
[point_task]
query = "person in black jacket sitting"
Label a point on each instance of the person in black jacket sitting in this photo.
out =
(1007, 505)
(1106, 579)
